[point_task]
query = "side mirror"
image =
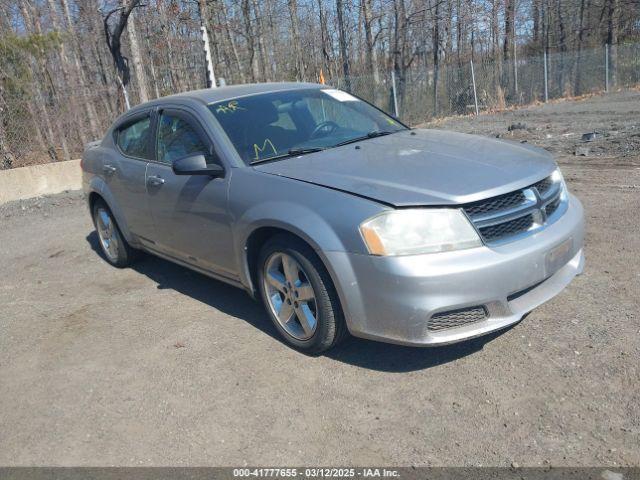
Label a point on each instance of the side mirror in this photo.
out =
(196, 165)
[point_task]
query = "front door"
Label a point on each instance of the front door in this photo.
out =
(189, 211)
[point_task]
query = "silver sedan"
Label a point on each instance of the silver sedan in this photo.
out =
(338, 216)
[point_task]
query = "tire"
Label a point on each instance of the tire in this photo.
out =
(114, 247)
(325, 309)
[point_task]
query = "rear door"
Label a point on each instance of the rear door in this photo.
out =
(124, 171)
(189, 211)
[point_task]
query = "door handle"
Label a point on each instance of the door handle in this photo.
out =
(109, 169)
(155, 181)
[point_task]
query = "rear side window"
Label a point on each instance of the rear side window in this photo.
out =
(133, 139)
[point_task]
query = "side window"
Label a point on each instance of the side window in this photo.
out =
(133, 139)
(178, 139)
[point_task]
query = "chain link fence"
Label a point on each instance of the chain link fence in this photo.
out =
(39, 127)
(419, 95)
(44, 123)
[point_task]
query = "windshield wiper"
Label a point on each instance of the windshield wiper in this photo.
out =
(372, 134)
(379, 133)
(303, 150)
(291, 153)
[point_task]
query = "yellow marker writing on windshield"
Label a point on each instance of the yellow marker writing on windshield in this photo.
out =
(265, 144)
(230, 107)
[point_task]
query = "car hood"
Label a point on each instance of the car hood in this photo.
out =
(421, 167)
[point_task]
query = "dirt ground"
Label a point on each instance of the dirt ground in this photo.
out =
(156, 365)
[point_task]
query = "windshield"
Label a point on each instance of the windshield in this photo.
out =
(273, 125)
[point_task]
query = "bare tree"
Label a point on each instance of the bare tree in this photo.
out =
(436, 53)
(343, 44)
(141, 77)
(370, 47)
(295, 37)
(612, 38)
(51, 54)
(113, 36)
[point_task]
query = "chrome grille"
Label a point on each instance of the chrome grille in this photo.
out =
(456, 318)
(506, 229)
(501, 218)
(543, 185)
(501, 202)
(552, 206)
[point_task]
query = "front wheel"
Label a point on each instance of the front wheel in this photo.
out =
(299, 295)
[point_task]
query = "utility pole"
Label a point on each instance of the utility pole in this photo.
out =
(204, 18)
(475, 94)
(395, 95)
(211, 76)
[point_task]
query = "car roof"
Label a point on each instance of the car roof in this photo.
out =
(213, 95)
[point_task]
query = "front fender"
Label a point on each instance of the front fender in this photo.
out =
(294, 218)
(324, 218)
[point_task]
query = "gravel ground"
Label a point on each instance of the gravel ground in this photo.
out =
(156, 365)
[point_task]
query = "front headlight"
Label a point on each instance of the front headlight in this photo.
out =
(557, 176)
(415, 231)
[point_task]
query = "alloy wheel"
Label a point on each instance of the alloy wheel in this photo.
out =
(107, 233)
(290, 295)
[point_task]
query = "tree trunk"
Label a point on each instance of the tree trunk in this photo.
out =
(136, 58)
(324, 40)
(76, 53)
(371, 56)
(33, 22)
(436, 54)
(495, 48)
(232, 43)
(113, 38)
(535, 13)
(400, 61)
(250, 37)
(509, 42)
(262, 50)
(612, 40)
(295, 39)
(170, 64)
(152, 68)
(579, 54)
(342, 39)
(562, 47)
(73, 114)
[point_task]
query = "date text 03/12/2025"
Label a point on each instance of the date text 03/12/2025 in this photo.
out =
(315, 472)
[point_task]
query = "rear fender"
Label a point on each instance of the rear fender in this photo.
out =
(99, 186)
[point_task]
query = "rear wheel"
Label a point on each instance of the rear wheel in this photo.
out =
(299, 295)
(113, 245)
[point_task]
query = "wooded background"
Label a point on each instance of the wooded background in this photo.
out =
(69, 67)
